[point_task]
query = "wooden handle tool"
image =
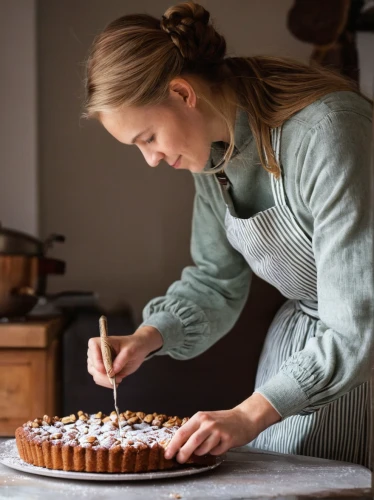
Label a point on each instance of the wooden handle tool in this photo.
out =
(106, 349)
(106, 352)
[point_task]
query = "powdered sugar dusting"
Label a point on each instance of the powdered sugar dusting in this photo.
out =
(245, 473)
(9, 450)
(95, 433)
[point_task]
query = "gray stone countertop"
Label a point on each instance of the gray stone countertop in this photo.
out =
(244, 474)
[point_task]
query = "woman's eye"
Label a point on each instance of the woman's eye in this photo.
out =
(151, 139)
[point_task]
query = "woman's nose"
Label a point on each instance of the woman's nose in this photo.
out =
(153, 158)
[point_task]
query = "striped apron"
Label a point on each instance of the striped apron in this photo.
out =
(279, 252)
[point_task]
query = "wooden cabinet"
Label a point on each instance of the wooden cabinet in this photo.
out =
(30, 380)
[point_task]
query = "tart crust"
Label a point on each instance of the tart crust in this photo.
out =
(95, 443)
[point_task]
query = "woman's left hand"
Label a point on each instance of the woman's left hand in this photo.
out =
(215, 432)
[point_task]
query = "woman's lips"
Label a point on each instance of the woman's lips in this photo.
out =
(177, 163)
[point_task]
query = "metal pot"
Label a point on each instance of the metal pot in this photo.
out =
(23, 270)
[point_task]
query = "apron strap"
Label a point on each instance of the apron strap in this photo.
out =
(277, 184)
(225, 186)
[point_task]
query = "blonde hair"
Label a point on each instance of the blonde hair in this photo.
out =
(134, 59)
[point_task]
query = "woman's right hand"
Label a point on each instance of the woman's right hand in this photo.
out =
(128, 353)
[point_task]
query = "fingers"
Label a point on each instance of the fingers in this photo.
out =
(199, 443)
(99, 378)
(181, 437)
(121, 360)
(95, 366)
(205, 432)
(221, 448)
(127, 354)
(95, 356)
(212, 442)
(196, 433)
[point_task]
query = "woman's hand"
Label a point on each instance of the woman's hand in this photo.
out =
(215, 432)
(128, 353)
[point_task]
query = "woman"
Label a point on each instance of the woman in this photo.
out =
(280, 155)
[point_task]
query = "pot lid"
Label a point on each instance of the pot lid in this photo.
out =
(18, 243)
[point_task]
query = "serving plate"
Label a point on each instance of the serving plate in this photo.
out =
(9, 457)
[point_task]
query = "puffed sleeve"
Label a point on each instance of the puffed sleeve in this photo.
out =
(334, 162)
(205, 303)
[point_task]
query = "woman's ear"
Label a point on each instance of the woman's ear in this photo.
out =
(182, 89)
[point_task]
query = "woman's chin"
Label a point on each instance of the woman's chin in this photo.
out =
(196, 169)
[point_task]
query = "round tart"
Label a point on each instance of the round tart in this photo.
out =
(99, 443)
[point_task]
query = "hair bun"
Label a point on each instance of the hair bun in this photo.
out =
(189, 28)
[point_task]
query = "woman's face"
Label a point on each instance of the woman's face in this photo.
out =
(180, 132)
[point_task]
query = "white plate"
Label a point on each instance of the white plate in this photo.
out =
(9, 457)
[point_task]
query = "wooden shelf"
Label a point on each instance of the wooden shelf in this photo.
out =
(36, 333)
(30, 377)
